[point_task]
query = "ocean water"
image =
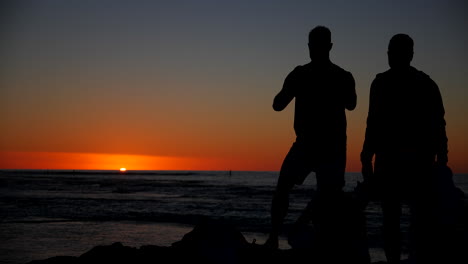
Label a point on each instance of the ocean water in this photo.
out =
(50, 213)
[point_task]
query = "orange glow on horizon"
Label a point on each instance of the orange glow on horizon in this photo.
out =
(95, 161)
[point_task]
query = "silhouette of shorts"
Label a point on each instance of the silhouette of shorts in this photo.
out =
(302, 159)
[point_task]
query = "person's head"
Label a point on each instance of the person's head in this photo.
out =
(400, 51)
(320, 43)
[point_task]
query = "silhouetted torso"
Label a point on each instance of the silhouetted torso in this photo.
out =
(406, 115)
(322, 93)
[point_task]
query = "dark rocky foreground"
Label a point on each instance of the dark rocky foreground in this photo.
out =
(212, 241)
(220, 242)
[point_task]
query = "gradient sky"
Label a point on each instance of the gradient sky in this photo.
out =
(189, 84)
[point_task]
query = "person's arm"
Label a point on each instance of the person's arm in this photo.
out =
(350, 92)
(368, 149)
(285, 96)
(441, 136)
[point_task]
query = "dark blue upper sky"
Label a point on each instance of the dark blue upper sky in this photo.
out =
(179, 64)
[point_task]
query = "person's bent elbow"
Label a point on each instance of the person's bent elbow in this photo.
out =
(278, 105)
(350, 107)
(351, 102)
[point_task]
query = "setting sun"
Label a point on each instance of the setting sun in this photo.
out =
(123, 169)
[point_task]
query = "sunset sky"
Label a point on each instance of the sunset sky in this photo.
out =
(164, 85)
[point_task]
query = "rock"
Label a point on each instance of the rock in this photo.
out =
(213, 241)
(115, 254)
(216, 233)
(338, 233)
(57, 260)
(220, 242)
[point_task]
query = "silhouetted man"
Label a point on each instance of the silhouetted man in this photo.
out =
(322, 91)
(406, 132)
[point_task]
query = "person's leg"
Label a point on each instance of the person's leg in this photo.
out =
(330, 180)
(279, 209)
(390, 172)
(391, 209)
(327, 203)
(424, 232)
(307, 213)
(292, 169)
(328, 214)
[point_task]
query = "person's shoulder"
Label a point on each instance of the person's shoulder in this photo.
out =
(303, 68)
(382, 76)
(339, 69)
(420, 74)
(298, 71)
(342, 74)
(423, 78)
(295, 75)
(385, 74)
